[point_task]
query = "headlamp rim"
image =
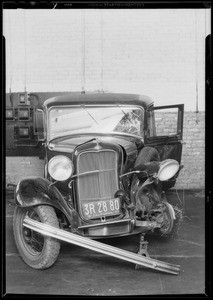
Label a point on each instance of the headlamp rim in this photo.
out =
(165, 164)
(64, 157)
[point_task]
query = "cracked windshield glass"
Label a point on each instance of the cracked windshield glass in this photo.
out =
(95, 119)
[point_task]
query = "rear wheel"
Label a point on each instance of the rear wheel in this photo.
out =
(37, 251)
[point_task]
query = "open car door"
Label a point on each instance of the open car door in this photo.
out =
(164, 131)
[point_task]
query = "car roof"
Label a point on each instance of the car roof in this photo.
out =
(78, 98)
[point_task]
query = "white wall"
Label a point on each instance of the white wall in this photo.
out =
(159, 53)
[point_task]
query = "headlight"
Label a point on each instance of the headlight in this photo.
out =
(60, 167)
(168, 168)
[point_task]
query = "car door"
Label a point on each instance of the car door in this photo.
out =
(164, 131)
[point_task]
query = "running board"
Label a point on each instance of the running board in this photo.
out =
(100, 247)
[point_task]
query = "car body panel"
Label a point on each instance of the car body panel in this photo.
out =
(39, 191)
(68, 144)
(99, 98)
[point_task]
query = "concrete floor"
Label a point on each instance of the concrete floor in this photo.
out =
(79, 271)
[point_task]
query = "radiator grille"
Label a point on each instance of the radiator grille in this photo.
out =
(100, 185)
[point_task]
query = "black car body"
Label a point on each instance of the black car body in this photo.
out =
(106, 165)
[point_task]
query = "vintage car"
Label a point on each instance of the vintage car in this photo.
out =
(109, 158)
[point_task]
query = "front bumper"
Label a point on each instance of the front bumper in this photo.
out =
(105, 229)
(117, 228)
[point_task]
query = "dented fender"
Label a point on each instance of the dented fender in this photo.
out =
(39, 191)
(171, 210)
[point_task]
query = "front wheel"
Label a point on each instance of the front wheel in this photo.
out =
(37, 251)
(172, 219)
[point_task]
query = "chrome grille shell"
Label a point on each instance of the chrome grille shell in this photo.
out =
(97, 168)
(100, 181)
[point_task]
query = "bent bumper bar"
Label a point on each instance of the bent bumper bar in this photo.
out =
(100, 247)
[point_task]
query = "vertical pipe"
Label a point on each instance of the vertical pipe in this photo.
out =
(25, 53)
(83, 51)
(196, 52)
(102, 49)
(9, 58)
(205, 22)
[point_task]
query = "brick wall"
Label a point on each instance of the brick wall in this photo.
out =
(18, 168)
(193, 157)
(193, 151)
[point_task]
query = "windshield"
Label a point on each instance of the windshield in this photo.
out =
(95, 119)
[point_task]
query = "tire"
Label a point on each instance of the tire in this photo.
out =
(171, 227)
(147, 154)
(37, 251)
(167, 228)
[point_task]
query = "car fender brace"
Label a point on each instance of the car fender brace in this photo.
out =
(100, 247)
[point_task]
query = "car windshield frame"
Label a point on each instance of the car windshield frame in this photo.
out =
(87, 110)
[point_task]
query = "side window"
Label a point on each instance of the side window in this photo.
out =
(165, 121)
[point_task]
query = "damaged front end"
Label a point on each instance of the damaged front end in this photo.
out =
(147, 203)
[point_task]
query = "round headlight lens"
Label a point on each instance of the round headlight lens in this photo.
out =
(168, 168)
(60, 167)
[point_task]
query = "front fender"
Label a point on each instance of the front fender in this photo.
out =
(37, 191)
(171, 210)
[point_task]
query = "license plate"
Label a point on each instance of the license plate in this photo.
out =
(94, 209)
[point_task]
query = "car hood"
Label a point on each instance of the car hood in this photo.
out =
(68, 144)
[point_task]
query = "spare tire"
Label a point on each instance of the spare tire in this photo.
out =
(147, 154)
